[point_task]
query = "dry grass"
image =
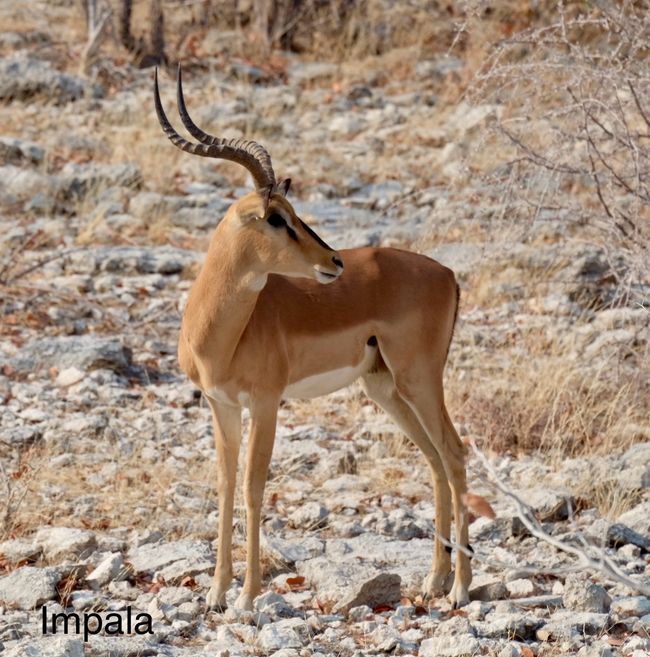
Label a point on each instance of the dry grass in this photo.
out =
(118, 491)
(544, 394)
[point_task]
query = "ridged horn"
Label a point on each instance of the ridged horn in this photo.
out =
(249, 154)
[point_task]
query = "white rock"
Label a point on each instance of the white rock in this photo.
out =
(349, 583)
(65, 542)
(596, 649)
(277, 636)
(308, 516)
(511, 650)
(345, 125)
(509, 625)
(110, 569)
(487, 588)
(288, 551)
(15, 550)
(520, 588)
(464, 645)
(176, 571)
(50, 646)
(582, 595)
(153, 557)
(27, 588)
(82, 600)
(633, 606)
(635, 643)
(637, 518)
(69, 376)
(548, 505)
(189, 611)
(34, 415)
(357, 614)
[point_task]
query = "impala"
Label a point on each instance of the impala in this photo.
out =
(276, 313)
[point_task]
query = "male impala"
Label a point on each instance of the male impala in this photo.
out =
(273, 314)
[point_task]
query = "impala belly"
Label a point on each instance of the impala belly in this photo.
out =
(331, 380)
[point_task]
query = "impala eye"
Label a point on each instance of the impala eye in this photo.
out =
(276, 220)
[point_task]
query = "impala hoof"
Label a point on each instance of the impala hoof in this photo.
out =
(459, 595)
(435, 585)
(215, 600)
(244, 601)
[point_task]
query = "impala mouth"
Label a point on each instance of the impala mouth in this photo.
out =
(324, 276)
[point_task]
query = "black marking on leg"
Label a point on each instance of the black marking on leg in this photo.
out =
(372, 341)
(448, 548)
(470, 549)
(455, 605)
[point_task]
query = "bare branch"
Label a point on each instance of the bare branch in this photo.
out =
(589, 558)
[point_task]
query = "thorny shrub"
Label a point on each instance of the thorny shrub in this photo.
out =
(574, 112)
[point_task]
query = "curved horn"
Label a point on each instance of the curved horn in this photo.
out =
(247, 153)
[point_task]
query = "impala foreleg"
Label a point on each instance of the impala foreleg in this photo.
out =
(260, 448)
(227, 434)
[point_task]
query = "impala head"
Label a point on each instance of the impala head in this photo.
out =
(264, 220)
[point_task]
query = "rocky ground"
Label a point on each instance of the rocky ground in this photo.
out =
(106, 456)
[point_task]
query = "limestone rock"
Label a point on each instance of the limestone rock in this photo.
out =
(549, 505)
(582, 595)
(289, 551)
(633, 606)
(450, 646)
(308, 516)
(110, 569)
(65, 542)
(150, 558)
(24, 78)
(348, 584)
(48, 646)
(487, 588)
(85, 352)
(15, 550)
(637, 518)
(27, 588)
(521, 626)
(284, 634)
(619, 534)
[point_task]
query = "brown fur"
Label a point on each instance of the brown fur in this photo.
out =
(257, 321)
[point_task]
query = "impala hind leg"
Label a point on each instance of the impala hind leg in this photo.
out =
(418, 380)
(460, 590)
(227, 436)
(258, 457)
(380, 387)
(429, 407)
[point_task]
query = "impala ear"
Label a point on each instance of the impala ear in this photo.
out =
(248, 217)
(283, 186)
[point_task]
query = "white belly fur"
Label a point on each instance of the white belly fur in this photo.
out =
(326, 382)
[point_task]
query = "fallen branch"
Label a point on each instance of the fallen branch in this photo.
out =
(590, 558)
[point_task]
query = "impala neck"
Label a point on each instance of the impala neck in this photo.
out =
(221, 303)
